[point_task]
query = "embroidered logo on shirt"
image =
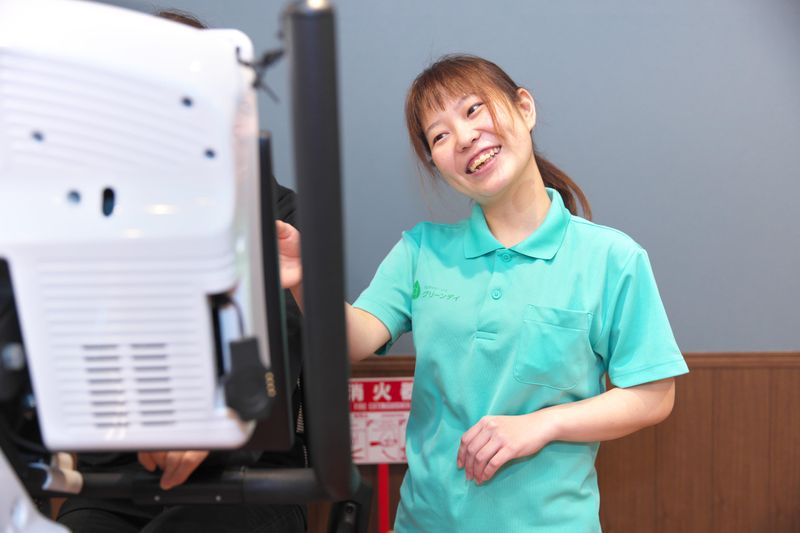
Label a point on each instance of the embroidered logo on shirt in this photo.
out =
(438, 293)
(415, 293)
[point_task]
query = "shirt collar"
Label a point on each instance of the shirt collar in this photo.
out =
(541, 244)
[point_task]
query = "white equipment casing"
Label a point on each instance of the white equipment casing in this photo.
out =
(128, 196)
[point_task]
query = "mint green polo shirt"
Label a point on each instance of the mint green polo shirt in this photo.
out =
(508, 331)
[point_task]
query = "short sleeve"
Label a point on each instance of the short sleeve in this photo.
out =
(636, 341)
(388, 297)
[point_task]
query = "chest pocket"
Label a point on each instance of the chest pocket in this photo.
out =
(554, 349)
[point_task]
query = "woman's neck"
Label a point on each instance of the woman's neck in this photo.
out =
(514, 219)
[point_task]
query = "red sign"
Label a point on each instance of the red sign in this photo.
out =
(378, 418)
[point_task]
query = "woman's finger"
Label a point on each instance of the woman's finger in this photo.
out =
(147, 461)
(474, 447)
(503, 456)
(466, 438)
(471, 443)
(181, 465)
(483, 457)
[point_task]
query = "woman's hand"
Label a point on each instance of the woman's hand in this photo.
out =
(289, 255)
(176, 466)
(495, 440)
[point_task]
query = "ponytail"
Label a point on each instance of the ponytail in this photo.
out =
(557, 179)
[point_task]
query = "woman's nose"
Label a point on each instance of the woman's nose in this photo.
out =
(466, 136)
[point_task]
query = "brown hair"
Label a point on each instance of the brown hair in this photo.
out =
(184, 17)
(456, 75)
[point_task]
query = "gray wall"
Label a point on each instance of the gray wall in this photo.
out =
(680, 119)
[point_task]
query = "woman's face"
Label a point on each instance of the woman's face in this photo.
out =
(477, 157)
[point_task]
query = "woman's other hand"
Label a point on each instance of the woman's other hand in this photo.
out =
(176, 466)
(291, 267)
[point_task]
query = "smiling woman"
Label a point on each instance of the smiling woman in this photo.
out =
(523, 253)
(485, 155)
(476, 83)
(518, 312)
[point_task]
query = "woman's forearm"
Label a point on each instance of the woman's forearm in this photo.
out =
(495, 440)
(613, 414)
(365, 333)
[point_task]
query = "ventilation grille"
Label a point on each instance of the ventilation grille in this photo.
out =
(60, 113)
(130, 346)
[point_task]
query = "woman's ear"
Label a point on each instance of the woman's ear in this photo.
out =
(526, 107)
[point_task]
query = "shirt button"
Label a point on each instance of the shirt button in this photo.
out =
(506, 257)
(497, 294)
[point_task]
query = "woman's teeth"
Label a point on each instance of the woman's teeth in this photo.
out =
(479, 161)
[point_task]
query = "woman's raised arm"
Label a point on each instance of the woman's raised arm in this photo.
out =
(365, 333)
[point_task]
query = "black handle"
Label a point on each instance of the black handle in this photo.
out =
(310, 39)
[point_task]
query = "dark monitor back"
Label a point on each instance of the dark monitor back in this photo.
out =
(277, 431)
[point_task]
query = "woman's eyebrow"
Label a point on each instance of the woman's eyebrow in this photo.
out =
(437, 122)
(433, 125)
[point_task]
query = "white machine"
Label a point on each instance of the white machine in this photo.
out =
(128, 194)
(136, 234)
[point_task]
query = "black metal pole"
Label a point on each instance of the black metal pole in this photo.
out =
(310, 40)
(232, 486)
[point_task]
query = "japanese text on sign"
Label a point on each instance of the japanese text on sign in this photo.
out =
(378, 418)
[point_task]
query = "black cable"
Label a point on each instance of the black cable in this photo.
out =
(239, 315)
(260, 66)
(28, 445)
(7, 308)
(223, 300)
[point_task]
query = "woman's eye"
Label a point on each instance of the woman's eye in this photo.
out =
(473, 108)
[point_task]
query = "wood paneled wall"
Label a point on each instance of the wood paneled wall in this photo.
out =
(727, 460)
